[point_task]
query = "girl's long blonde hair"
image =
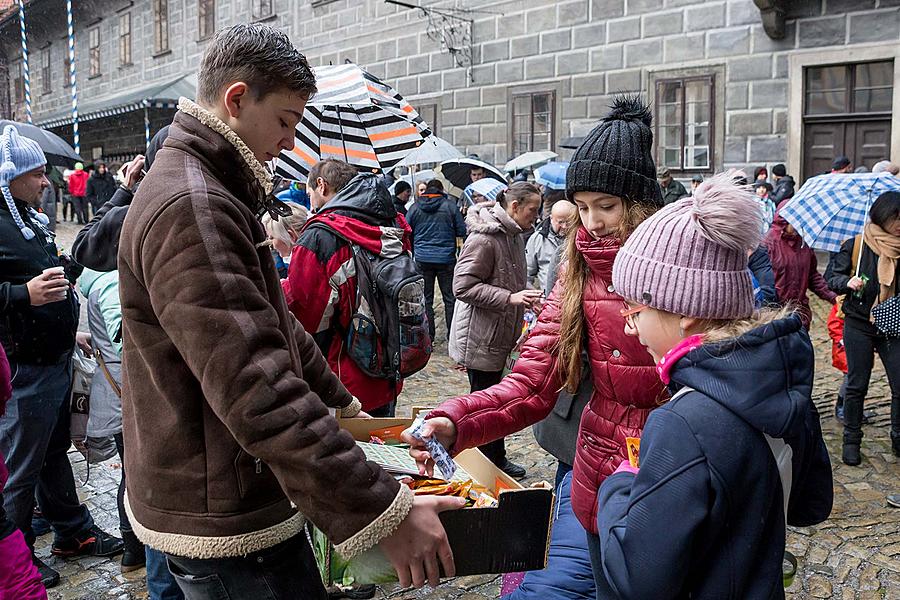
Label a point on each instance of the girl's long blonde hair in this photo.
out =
(575, 277)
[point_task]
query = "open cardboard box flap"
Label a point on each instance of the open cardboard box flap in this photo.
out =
(514, 536)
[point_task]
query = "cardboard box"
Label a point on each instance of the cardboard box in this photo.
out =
(512, 537)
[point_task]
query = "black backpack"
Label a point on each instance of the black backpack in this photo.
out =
(388, 337)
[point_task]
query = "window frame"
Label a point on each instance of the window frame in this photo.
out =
(850, 93)
(126, 57)
(554, 90)
(204, 19)
(18, 82)
(683, 125)
(436, 105)
(161, 42)
(46, 71)
(94, 52)
(257, 14)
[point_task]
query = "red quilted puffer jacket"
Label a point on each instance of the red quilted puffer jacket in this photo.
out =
(626, 386)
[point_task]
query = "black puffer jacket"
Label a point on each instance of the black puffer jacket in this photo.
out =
(841, 270)
(31, 334)
(784, 189)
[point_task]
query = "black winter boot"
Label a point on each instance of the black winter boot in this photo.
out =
(850, 454)
(133, 558)
(895, 443)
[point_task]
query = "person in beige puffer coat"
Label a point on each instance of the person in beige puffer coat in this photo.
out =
(491, 296)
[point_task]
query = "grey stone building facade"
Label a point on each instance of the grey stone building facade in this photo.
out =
(503, 77)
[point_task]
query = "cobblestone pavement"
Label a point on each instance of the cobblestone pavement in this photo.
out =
(853, 555)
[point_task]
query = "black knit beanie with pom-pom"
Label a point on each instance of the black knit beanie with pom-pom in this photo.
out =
(616, 157)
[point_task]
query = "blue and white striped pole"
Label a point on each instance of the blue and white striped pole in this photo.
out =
(72, 75)
(25, 71)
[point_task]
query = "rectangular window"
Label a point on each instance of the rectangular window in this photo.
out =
(862, 88)
(207, 16)
(684, 123)
(533, 118)
(19, 82)
(161, 26)
(94, 45)
(429, 114)
(45, 71)
(260, 9)
(125, 39)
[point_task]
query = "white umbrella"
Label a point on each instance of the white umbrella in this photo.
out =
(529, 160)
(432, 150)
(413, 178)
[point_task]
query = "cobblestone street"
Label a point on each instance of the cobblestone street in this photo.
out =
(855, 554)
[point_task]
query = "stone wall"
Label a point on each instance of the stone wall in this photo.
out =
(588, 50)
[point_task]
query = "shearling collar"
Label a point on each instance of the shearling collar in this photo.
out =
(260, 173)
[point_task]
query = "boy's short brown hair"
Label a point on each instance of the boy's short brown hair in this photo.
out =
(259, 55)
(336, 173)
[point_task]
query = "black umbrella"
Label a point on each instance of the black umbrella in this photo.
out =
(58, 152)
(457, 172)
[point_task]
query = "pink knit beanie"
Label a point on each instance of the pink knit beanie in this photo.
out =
(690, 258)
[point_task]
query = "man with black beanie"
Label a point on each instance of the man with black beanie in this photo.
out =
(784, 184)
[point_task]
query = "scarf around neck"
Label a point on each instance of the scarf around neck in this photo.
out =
(887, 247)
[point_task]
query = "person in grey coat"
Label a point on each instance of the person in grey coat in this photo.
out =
(545, 243)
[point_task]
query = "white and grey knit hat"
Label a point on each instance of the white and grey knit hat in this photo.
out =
(18, 155)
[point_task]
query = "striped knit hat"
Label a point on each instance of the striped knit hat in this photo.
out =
(18, 155)
(690, 258)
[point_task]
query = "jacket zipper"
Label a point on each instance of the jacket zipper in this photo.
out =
(258, 466)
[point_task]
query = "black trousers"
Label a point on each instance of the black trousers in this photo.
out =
(444, 275)
(861, 341)
(286, 571)
(482, 380)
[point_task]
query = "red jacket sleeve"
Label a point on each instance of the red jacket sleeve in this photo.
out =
(523, 398)
(308, 290)
(817, 283)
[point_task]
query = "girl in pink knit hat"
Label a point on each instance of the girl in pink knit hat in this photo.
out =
(578, 345)
(737, 452)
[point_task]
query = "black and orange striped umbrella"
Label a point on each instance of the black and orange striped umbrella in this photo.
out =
(354, 117)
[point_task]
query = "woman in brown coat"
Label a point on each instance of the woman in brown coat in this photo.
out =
(491, 296)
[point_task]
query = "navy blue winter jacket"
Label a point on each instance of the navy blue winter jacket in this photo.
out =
(436, 223)
(761, 267)
(704, 516)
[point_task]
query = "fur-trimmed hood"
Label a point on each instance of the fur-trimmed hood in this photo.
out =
(491, 218)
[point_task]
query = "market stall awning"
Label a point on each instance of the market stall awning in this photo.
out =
(159, 95)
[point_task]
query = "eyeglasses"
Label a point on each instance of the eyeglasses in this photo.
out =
(630, 313)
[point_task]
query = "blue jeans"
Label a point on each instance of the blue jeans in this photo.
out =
(34, 438)
(285, 571)
(561, 470)
(160, 583)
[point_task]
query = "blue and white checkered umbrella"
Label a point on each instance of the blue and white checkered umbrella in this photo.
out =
(487, 187)
(830, 209)
(552, 175)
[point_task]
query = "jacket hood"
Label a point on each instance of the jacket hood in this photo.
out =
(87, 280)
(364, 198)
(363, 213)
(430, 203)
(91, 280)
(765, 376)
(778, 232)
(491, 218)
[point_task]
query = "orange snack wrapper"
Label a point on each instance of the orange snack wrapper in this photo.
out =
(634, 451)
